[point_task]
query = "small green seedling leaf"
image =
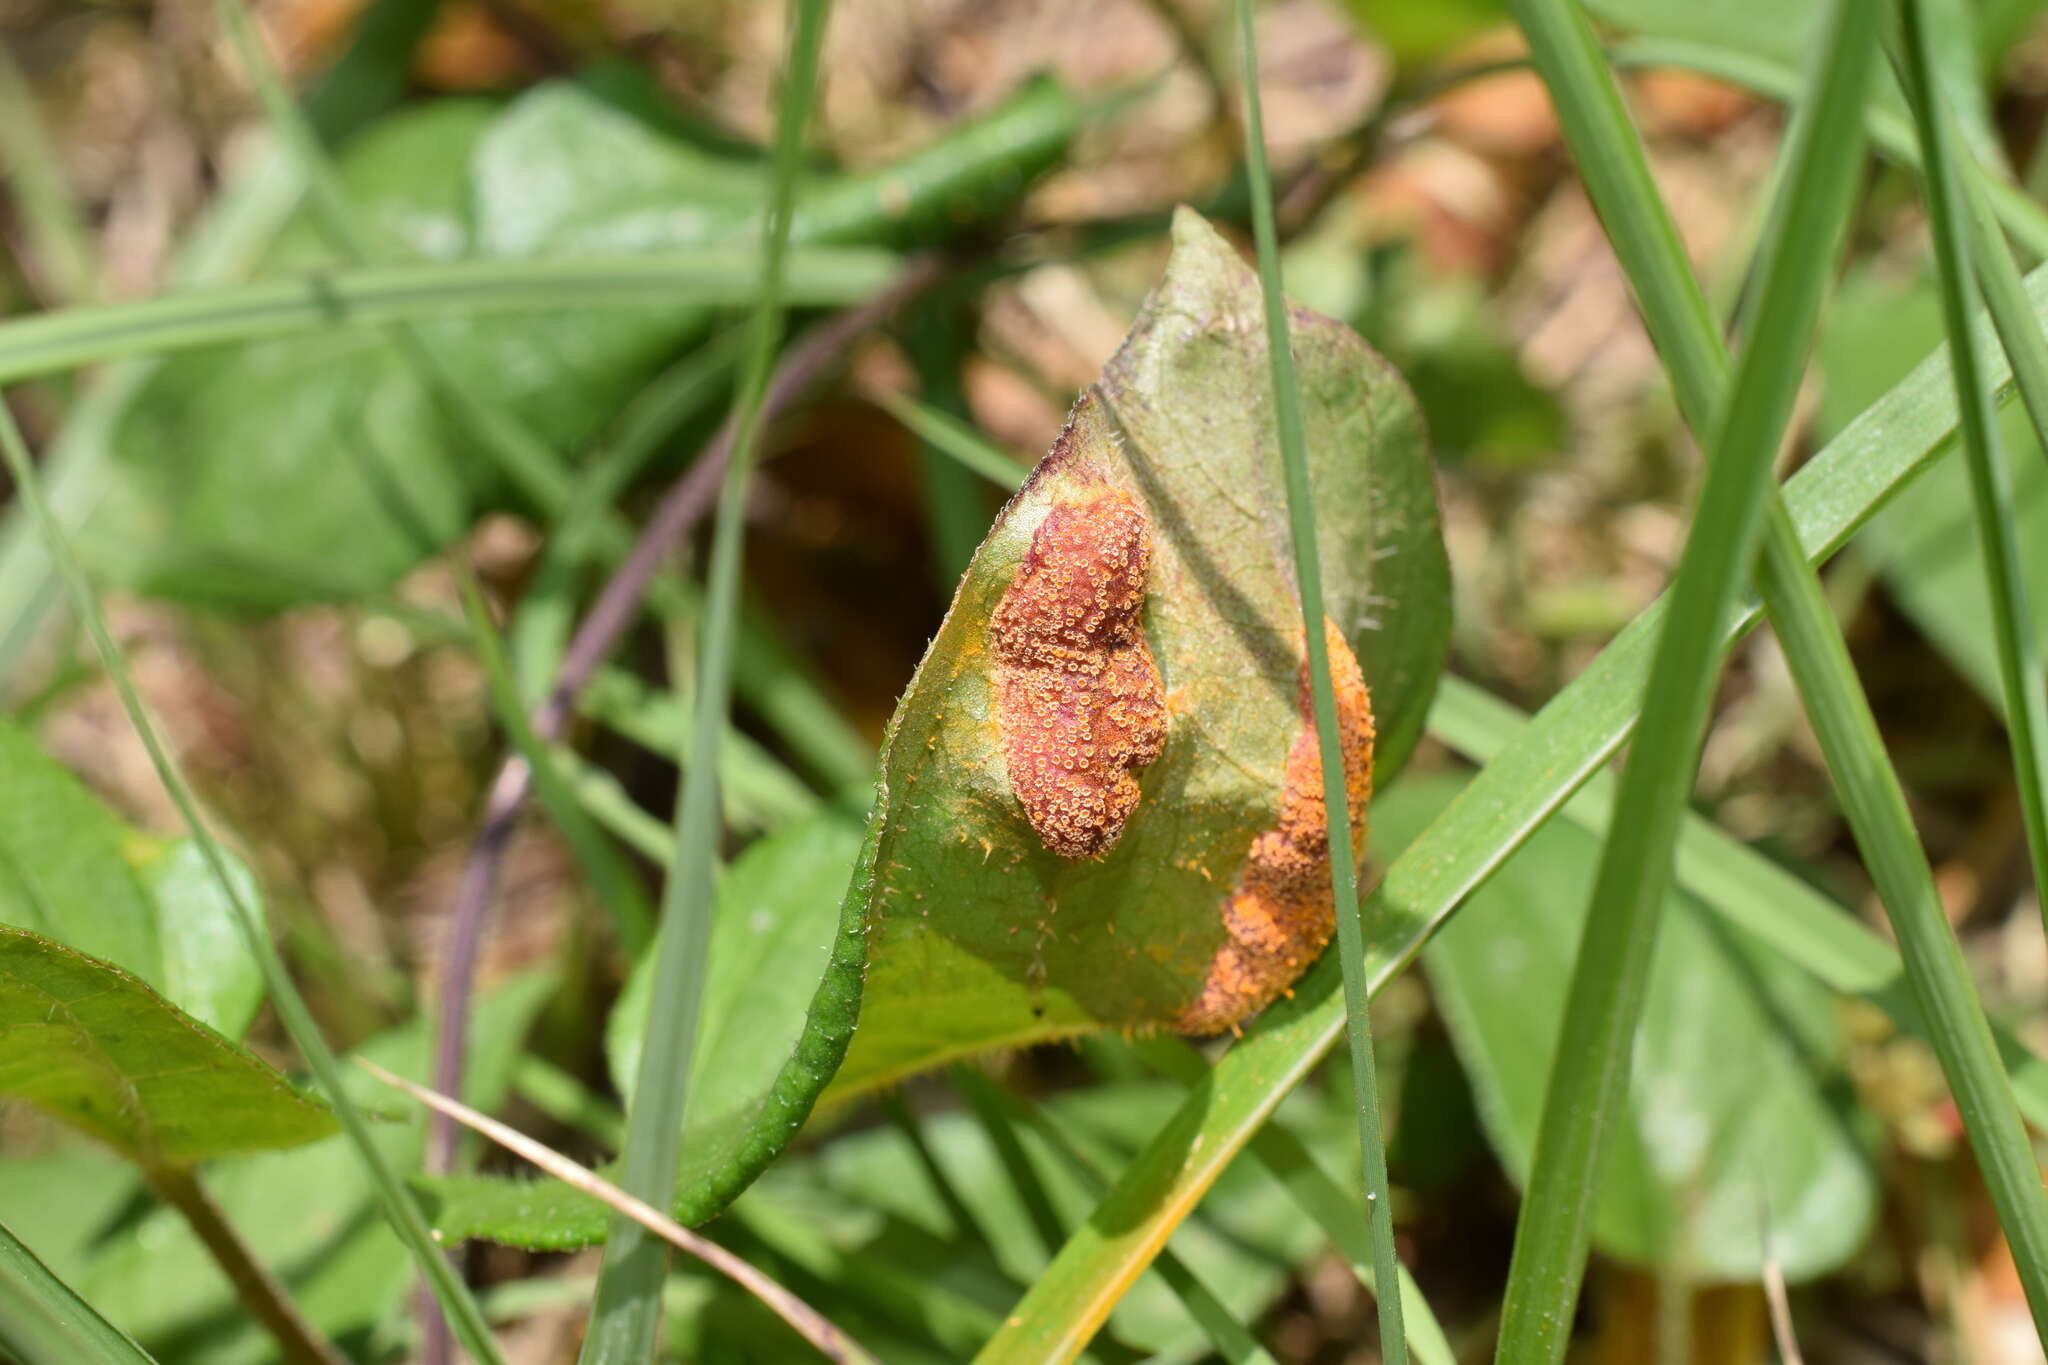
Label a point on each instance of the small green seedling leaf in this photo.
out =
(94, 1046)
(71, 871)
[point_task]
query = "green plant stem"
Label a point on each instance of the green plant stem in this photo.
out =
(2022, 675)
(383, 295)
(1330, 746)
(45, 1322)
(254, 1285)
(628, 1302)
(298, 1021)
(1610, 977)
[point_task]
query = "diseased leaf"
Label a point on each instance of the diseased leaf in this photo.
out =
(963, 931)
(71, 871)
(979, 934)
(93, 1045)
(1739, 1141)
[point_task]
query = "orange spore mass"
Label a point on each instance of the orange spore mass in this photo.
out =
(1077, 693)
(1282, 911)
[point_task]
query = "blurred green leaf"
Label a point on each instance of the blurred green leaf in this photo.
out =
(93, 1045)
(71, 871)
(1419, 34)
(321, 466)
(774, 937)
(1738, 1142)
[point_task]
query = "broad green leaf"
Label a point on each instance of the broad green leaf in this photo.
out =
(776, 937)
(71, 871)
(1738, 1142)
(978, 935)
(322, 466)
(308, 1213)
(94, 1046)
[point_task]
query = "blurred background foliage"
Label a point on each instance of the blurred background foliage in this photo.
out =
(275, 517)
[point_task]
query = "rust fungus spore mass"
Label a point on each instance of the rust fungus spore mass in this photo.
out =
(1282, 911)
(1077, 692)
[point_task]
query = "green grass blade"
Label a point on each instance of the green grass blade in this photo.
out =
(397, 1203)
(1954, 1022)
(986, 1100)
(1309, 581)
(383, 295)
(996, 1108)
(2026, 220)
(1318, 1194)
(1610, 977)
(628, 1304)
(947, 435)
(45, 1322)
(2022, 673)
(65, 257)
(541, 627)
(618, 890)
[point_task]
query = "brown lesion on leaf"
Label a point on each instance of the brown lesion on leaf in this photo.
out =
(1282, 912)
(1078, 695)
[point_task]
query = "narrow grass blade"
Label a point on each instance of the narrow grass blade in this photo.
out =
(1610, 977)
(628, 1304)
(382, 295)
(983, 1097)
(1309, 581)
(996, 1109)
(806, 1321)
(618, 890)
(45, 1322)
(947, 435)
(2026, 220)
(2022, 674)
(396, 1201)
(1318, 1194)
(65, 258)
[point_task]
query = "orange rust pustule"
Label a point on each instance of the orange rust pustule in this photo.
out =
(1077, 693)
(1282, 911)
